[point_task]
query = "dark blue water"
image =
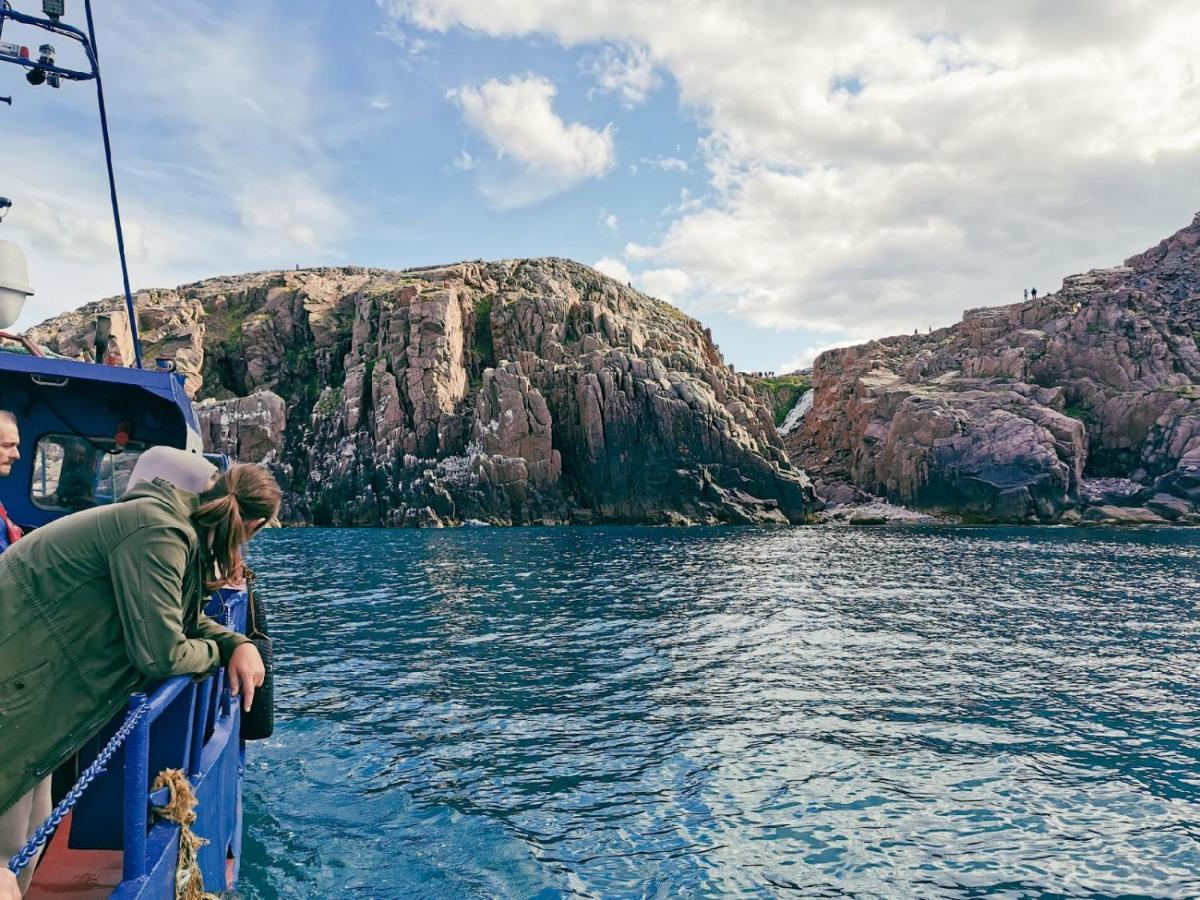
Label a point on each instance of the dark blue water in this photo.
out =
(622, 712)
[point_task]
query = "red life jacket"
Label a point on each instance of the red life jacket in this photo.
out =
(14, 533)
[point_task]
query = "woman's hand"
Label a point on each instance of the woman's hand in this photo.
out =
(8, 885)
(246, 672)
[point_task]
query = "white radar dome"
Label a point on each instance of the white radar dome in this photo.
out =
(14, 283)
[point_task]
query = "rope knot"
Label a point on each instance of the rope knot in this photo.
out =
(181, 809)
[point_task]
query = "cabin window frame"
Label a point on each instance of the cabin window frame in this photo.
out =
(100, 447)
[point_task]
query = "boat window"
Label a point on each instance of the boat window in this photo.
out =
(72, 472)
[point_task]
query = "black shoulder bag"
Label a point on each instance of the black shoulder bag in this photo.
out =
(259, 722)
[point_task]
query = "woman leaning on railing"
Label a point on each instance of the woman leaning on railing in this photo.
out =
(129, 582)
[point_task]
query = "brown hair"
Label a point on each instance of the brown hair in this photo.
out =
(244, 493)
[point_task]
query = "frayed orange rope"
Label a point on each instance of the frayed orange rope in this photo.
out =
(189, 883)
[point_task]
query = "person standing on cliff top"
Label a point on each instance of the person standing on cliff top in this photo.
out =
(1033, 293)
(1026, 293)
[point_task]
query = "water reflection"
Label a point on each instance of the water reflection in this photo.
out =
(654, 712)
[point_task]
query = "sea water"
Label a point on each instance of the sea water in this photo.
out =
(650, 712)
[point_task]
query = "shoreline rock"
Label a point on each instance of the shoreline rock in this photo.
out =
(514, 392)
(1036, 412)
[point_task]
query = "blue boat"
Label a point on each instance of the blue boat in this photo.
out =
(82, 426)
(74, 416)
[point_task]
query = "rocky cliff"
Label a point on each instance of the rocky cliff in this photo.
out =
(511, 392)
(1080, 405)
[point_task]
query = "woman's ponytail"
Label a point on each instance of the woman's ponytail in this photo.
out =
(242, 494)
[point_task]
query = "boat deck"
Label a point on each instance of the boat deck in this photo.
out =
(75, 874)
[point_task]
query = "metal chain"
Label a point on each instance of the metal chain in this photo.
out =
(23, 856)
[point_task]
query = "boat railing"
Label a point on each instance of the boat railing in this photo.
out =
(208, 703)
(185, 723)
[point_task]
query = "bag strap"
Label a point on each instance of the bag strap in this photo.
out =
(249, 575)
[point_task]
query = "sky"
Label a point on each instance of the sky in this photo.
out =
(797, 175)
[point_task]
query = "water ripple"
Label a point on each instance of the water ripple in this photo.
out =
(623, 712)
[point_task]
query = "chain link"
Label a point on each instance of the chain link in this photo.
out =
(23, 856)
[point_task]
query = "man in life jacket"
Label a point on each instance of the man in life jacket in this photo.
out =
(10, 440)
(10, 443)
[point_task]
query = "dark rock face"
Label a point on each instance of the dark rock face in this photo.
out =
(526, 391)
(1030, 412)
(249, 429)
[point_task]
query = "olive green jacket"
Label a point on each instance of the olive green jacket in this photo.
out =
(93, 607)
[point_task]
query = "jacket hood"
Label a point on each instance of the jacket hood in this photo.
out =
(176, 500)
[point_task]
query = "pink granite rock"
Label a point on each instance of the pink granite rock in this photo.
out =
(247, 429)
(1002, 416)
(509, 392)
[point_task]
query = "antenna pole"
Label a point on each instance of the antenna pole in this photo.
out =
(112, 189)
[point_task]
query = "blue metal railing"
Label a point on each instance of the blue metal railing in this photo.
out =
(208, 699)
(208, 708)
(135, 735)
(198, 730)
(42, 833)
(137, 774)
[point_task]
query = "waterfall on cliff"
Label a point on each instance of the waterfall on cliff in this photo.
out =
(796, 416)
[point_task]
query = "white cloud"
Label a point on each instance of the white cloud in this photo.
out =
(289, 214)
(517, 118)
(608, 220)
(666, 284)
(60, 219)
(58, 227)
(627, 72)
(613, 268)
(877, 166)
(465, 161)
(410, 44)
(220, 166)
(666, 163)
(687, 203)
(379, 103)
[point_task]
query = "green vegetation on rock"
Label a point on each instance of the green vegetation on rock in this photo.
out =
(1078, 412)
(780, 392)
